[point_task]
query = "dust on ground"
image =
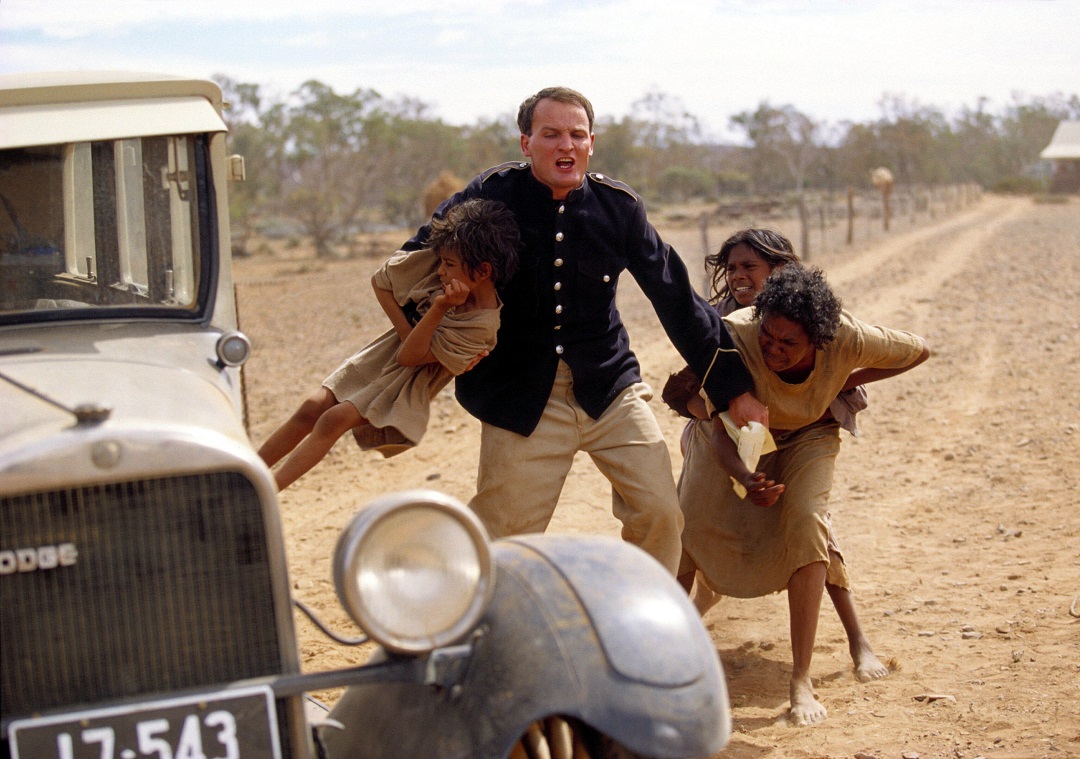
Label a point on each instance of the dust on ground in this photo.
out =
(957, 507)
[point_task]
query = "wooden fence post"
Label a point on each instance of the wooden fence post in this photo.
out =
(850, 214)
(703, 223)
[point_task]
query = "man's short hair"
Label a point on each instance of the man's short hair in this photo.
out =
(558, 94)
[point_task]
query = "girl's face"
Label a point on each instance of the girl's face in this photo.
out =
(746, 272)
(785, 346)
(451, 268)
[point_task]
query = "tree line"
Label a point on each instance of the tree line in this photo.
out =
(328, 165)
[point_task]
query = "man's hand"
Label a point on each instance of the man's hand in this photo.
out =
(476, 359)
(746, 408)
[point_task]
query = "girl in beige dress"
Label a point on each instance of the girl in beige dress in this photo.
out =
(738, 273)
(443, 306)
(802, 351)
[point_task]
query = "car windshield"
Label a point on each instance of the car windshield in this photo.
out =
(103, 229)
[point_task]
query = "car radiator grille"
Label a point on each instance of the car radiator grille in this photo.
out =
(171, 589)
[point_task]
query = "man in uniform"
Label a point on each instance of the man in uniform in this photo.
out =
(562, 377)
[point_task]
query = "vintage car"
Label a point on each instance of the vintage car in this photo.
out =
(145, 605)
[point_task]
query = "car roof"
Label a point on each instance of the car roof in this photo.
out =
(75, 86)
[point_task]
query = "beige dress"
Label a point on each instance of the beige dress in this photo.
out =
(396, 399)
(746, 550)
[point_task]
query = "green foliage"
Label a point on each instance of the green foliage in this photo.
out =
(615, 151)
(679, 184)
(732, 182)
(784, 143)
(1019, 185)
(332, 164)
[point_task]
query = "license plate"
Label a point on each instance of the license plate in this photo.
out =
(235, 724)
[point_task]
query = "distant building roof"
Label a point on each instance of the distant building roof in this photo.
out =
(1065, 143)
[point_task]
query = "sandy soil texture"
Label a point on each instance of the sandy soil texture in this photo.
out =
(957, 508)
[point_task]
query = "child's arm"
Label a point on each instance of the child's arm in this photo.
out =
(415, 349)
(760, 491)
(867, 375)
(696, 406)
(393, 311)
(682, 394)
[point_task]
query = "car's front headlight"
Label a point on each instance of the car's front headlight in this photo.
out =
(414, 570)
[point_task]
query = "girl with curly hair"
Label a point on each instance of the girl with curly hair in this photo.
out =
(802, 349)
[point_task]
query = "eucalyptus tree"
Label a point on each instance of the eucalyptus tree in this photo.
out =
(782, 136)
(1028, 124)
(665, 135)
(489, 142)
(250, 199)
(332, 167)
(412, 147)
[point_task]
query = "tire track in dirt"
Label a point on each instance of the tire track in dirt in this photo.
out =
(922, 260)
(957, 508)
(925, 268)
(953, 507)
(968, 465)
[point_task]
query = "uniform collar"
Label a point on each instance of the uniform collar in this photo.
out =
(574, 196)
(579, 193)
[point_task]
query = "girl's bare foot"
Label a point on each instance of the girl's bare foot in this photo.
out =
(867, 666)
(805, 709)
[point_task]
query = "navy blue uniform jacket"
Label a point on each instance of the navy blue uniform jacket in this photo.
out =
(561, 302)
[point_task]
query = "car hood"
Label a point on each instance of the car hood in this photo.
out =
(170, 379)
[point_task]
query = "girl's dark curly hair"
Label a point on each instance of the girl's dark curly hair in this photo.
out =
(481, 232)
(802, 295)
(767, 243)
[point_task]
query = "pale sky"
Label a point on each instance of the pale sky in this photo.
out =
(479, 58)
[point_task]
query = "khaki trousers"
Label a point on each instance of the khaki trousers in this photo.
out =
(520, 478)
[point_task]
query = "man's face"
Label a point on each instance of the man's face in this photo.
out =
(559, 146)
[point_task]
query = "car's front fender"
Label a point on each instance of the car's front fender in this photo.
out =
(580, 626)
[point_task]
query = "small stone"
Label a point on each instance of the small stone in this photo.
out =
(971, 635)
(910, 755)
(932, 697)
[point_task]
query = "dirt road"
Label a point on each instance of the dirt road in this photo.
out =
(957, 508)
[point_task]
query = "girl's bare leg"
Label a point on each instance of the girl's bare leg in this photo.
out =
(334, 422)
(805, 589)
(867, 665)
(704, 597)
(286, 437)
